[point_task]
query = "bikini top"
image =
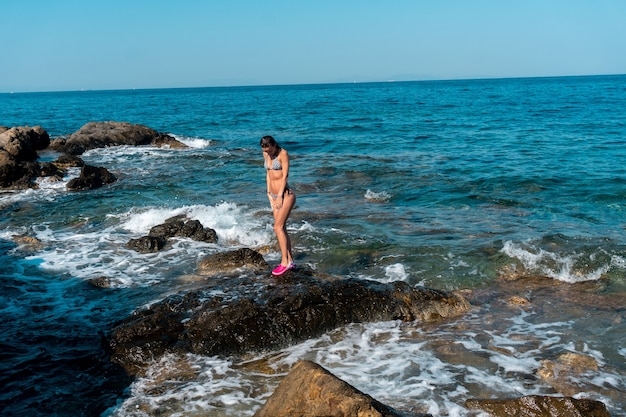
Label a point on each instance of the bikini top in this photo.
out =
(275, 165)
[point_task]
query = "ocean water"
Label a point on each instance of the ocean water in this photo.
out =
(457, 185)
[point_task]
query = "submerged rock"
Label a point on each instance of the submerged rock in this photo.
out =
(103, 134)
(310, 390)
(540, 406)
(255, 313)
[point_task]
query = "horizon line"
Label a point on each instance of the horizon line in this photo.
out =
(315, 83)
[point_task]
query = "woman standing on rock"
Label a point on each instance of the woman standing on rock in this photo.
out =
(282, 198)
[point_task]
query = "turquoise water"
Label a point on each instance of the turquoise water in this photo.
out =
(445, 184)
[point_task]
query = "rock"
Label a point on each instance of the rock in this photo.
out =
(18, 152)
(103, 134)
(24, 142)
(67, 161)
(146, 244)
(248, 315)
(180, 227)
(15, 174)
(48, 169)
(310, 390)
(225, 262)
(100, 282)
(177, 226)
(540, 406)
(91, 178)
(167, 141)
(562, 372)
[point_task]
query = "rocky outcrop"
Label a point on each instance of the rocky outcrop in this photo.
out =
(178, 226)
(91, 178)
(256, 313)
(310, 390)
(103, 134)
(226, 262)
(540, 406)
(18, 155)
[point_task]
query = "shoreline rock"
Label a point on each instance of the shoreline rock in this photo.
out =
(311, 390)
(19, 145)
(251, 314)
(104, 134)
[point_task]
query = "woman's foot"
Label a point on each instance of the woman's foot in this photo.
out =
(281, 269)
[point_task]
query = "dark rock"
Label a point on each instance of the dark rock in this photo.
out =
(15, 174)
(103, 134)
(49, 169)
(146, 244)
(310, 390)
(91, 178)
(100, 282)
(225, 262)
(540, 406)
(250, 315)
(180, 227)
(168, 141)
(67, 161)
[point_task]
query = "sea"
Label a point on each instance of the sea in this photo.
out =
(511, 192)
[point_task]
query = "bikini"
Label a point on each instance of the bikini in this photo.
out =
(276, 166)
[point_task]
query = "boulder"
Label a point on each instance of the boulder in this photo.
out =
(91, 178)
(181, 227)
(178, 226)
(256, 313)
(18, 154)
(68, 161)
(225, 262)
(146, 244)
(540, 406)
(24, 142)
(15, 174)
(310, 390)
(103, 134)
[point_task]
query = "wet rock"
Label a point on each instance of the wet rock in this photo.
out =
(48, 169)
(540, 406)
(91, 178)
(178, 226)
(310, 390)
(67, 161)
(562, 373)
(101, 282)
(225, 262)
(146, 244)
(181, 227)
(103, 134)
(257, 313)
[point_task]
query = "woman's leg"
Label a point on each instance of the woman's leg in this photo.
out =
(280, 227)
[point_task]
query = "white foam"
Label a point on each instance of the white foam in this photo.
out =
(381, 196)
(561, 267)
(89, 253)
(396, 363)
(193, 142)
(396, 272)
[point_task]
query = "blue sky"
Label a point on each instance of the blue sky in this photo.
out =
(48, 45)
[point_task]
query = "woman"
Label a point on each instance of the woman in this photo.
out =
(282, 198)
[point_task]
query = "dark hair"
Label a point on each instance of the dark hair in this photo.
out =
(268, 141)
